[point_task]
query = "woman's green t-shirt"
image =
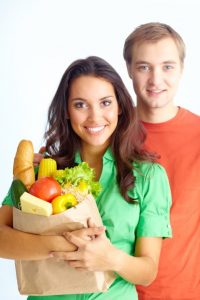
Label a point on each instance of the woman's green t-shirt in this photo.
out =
(125, 222)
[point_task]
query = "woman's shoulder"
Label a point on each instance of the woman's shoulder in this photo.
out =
(150, 176)
(146, 169)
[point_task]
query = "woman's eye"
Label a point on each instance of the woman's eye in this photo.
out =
(79, 104)
(106, 102)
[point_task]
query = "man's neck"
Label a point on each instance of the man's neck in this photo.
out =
(157, 115)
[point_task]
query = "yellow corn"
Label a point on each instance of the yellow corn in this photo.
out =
(58, 173)
(47, 167)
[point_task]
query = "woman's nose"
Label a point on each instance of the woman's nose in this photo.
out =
(94, 113)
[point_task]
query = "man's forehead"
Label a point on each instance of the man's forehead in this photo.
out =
(163, 50)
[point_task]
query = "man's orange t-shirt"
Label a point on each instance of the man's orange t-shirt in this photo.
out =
(178, 143)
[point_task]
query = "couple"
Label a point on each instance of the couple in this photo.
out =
(93, 113)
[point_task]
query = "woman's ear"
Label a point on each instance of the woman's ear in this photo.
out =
(67, 116)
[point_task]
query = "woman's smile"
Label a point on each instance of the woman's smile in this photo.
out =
(93, 110)
(95, 130)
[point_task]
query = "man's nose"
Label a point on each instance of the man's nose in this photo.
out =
(155, 77)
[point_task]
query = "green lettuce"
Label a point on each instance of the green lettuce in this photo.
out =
(78, 176)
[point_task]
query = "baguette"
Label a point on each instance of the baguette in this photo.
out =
(23, 168)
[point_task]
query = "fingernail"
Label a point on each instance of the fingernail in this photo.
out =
(102, 227)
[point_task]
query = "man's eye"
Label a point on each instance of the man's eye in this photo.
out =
(168, 67)
(143, 68)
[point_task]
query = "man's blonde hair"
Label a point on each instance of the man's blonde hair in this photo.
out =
(152, 32)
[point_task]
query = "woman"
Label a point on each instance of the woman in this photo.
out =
(92, 119)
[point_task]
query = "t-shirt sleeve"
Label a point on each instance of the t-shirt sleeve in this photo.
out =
(8, 200)
(155, 203)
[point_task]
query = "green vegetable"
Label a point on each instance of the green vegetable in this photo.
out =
(77, 175)
(17, 189)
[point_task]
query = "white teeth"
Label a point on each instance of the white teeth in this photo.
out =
(155, 91)
(95, 129)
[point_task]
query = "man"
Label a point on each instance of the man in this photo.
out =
(154, 54)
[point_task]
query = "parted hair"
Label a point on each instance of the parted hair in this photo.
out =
(126, 141)
(152, 32)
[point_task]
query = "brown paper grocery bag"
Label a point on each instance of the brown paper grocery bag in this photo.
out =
(50, 276)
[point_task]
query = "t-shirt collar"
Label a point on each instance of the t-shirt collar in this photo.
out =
(108, 155)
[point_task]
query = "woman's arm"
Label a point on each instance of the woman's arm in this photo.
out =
(15, 244)
(100, 255)
(141, 268)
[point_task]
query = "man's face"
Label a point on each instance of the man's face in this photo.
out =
(155, 71)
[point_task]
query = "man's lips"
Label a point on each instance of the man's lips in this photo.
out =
(155, 92)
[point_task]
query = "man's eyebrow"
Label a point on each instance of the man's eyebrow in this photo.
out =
(171, 62)
(140, 62)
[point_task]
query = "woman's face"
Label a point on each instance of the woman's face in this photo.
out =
(93, 110)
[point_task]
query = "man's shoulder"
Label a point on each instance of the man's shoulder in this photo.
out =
(189, 114)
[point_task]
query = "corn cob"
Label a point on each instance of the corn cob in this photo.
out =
(47, 167)
(59, 173)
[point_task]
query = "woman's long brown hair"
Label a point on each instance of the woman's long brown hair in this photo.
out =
(128, 138)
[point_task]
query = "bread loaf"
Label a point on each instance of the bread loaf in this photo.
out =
(23, 168)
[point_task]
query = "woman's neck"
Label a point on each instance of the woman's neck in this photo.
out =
(94, 159)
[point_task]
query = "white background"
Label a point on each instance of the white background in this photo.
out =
(40, 38)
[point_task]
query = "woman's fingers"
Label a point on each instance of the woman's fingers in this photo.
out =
(90, 223)
(85, 234)
(42, 150)
(79, 237)
(76, 240)
(69, 256)
(37, 158)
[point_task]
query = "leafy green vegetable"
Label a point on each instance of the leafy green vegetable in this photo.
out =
(17, 189)
(77, 175)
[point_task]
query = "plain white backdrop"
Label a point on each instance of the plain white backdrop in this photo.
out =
(40, 38)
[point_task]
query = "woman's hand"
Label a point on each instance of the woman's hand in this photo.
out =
(94, 249)
(15, 244)
(92, 255)
(38, 156)
(86, 234)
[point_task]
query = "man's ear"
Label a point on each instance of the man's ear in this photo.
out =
(182, 69)
(129, 70)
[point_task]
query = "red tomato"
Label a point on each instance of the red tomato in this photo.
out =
(45, 188)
